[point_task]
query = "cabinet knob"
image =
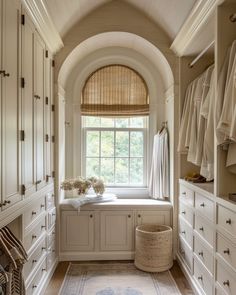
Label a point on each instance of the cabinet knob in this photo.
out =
(34, 213)
(184, 193)
(34, 286)
(183, 232)
(202, 205)
(6, 202)
(91, 215)
(200, 278)
(200, 253)
(43, 226)
(226, 283)
(129, 216)
(183, 212)
(201, 228)
(139, 215)
(43, 248)
(226, 251)
(34, 237)
(6, 74)
(228, 221)
(42, 206)
(44, 269)
(34, 261)
(36, 96)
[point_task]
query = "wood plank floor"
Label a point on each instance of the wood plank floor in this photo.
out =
(59, 274)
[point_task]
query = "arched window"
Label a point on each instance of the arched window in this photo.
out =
(115, 109)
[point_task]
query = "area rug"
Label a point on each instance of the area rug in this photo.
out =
(116, 279)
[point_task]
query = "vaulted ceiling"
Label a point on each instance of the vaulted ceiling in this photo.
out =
(168, 14)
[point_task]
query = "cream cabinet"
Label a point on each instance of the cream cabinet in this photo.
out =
(154, 217)
(77, 231)
(9, 69)
(116, 229)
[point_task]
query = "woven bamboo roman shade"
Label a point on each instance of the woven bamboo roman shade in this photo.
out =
(115, 90)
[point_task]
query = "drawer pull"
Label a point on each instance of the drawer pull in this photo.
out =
(183, 232)
(91, 215)
(34, 237)
(228, 221)
(184, 193)
(53, 251)
(227, 251)
(200, 253)
(202, 205)
(201, 228)
(183, 212)
(34, 213)
(139, 215)
(34, 286)
(34, 261)
(53, 214)
(44, 269)
(43, 226)
(42, 206)
(226, 283)
(200, 278)
(129, 216)
(43, 248)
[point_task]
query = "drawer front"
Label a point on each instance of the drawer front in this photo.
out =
(34, 258)
(204, 229)
(204, 254)
(186, 195)
(50, 197)
(34, 286)
(226, 250)
(51, 218)
(186, 232)
(204, 206)
(51, 256)
(34, 211)
(204, 280)
(226, 279)
(33, 236)
(186, 213)
(227, 220)
(51, 236)
(186, 253)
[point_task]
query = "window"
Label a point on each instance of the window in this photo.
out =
(115, 149)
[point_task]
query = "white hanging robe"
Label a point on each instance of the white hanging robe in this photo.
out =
(159, 175)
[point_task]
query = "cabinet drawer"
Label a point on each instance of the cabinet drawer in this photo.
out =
(34, 286)
(33, 212)
(51, 256)
(51, 218)
(50, 197)
(186, 213)
(227, 220)
(205, 229)
(33, 236)
(186, 232)
(204, 254)
(51, 236)
(226, 250)
(34, 258)
(203, 278)
(186, 195)
(186, 253)
(204, 206)
(226, 278)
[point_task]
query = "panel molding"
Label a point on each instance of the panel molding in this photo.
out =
(44, 24)
(195, 22)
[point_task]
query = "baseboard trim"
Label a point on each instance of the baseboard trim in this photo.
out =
(188, 276)
(87, 256)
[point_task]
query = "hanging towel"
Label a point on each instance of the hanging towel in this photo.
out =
(159, 176)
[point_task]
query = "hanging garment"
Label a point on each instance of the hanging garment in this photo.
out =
(207, 165)
(159, 176)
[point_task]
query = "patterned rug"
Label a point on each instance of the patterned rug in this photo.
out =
(116, 279)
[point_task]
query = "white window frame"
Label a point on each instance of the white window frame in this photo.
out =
(126, 189)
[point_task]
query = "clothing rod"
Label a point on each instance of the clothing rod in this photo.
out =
(201, 54)
(233, 17)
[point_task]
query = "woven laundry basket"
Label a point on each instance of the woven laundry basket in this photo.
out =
(153, 248)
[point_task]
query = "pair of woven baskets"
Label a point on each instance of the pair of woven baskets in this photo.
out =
(153, 248)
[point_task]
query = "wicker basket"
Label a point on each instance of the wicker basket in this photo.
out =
(153, 248)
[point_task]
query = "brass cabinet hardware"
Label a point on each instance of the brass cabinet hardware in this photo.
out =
(228, 221)
(226, 251)
(226, 283)
(201, 228)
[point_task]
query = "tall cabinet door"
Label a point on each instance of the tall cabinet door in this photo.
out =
(39, 101)
(10, 102)
(27, 107)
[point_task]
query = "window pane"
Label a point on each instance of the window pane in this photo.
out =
(122, 144)
(107, 143)
(107, 170)
(122, 168)
(92, 121)
(92, 167)
(136, 171)
(92, 144)
(136, 144)
(107, 122)
(122, 123)
(137, 122)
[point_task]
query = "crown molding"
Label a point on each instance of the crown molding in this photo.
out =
(44, 24)
(195, 22)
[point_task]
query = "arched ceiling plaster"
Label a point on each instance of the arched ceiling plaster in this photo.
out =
(122, 40)
(168, 14)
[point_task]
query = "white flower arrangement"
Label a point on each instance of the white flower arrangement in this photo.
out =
(82, 185)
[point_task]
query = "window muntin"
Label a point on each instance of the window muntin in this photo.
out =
(115, 149)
